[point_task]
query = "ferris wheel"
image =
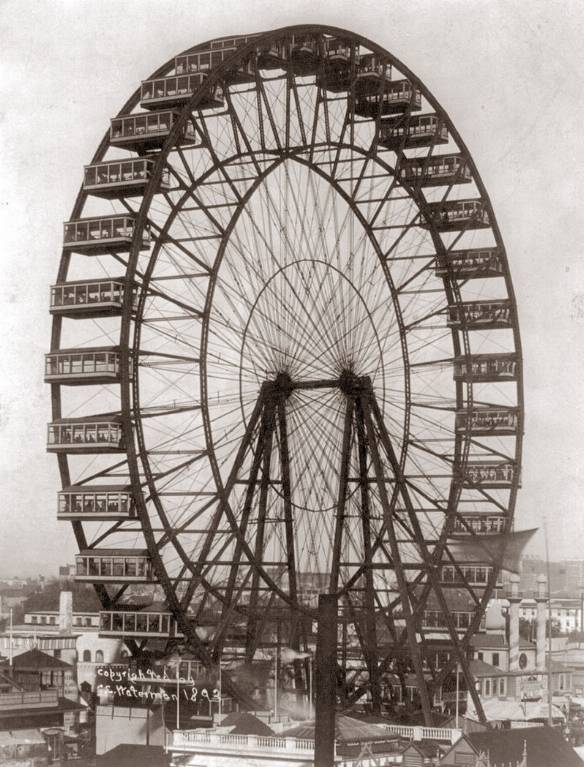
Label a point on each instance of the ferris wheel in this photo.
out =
(285, 361)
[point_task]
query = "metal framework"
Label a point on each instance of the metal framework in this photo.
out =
(284, 292)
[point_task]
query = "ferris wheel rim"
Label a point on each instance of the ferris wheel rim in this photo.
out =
(127, 408)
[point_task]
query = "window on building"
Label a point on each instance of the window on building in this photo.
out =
(34, 619)
(88, 621)
(99, 656)
(496, 659)
(52, 620)
(86, 656)
(43, 618)
(480, 656)
(487, 688)
(502, 686)
(57, 653)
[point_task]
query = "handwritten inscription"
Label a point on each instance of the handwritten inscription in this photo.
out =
(125, 683)
(191, 694)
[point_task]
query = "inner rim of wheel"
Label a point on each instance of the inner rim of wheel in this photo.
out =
(327, 350)
(312, 305)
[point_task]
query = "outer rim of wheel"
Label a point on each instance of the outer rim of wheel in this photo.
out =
(127, 408)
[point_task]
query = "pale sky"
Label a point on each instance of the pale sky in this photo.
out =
(509, 73)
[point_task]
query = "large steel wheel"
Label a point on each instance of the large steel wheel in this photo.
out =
(314, 357)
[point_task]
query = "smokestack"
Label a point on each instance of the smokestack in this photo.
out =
(514, 601)
(66, 611)
(541, 621)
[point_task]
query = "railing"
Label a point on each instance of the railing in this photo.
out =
(423, 733)
(34, 699)
(209, 740)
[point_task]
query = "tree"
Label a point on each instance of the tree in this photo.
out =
(84, 597)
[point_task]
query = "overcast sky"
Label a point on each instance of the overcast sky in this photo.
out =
(511, 76)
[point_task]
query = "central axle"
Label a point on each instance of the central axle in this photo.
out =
(347, 382)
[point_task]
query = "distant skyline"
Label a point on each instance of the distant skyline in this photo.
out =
(511, 76)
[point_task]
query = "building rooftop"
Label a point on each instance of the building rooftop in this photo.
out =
(426, 748)
(244, 723)
(347, 728)
(415, 719)
(497, 641)
(33, 660)
(63, 705)
(556, 601)
(56, 612)
(43, 630)
(480, 669)
(113, 553)
(544, 747)
(507, 709)
(133, 756)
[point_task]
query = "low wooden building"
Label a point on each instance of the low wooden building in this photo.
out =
(522, 747)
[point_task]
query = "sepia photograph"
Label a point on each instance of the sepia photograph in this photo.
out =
(291, 421)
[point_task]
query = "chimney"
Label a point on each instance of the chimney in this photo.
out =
(66, 611)
(514, 601)
(541, 620)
